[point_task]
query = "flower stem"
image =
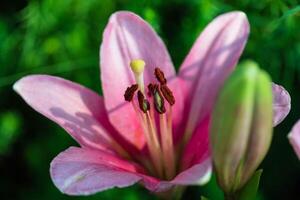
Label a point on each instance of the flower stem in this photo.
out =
(230, 196)
(174, 193)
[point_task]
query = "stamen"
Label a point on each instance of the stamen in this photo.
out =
(167, 146)
(138, 66)
(150, 89)
(162, 153)
(160, 76)
(154, 146)
(143, 103)
(151, 134)
(168, 94)
(159, 102)
(129, 93)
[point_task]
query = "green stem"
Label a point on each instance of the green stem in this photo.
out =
(230, 196)
(173, 194)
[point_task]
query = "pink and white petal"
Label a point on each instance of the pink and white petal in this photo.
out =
(127, 37)
(294, 138)
(210, 61)
(75, 108)
(79, 171)
(281, 104)
(198, 174)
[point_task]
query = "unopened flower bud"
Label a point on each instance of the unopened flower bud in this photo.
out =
(241, 129)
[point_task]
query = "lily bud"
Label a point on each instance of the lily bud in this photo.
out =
(241, 129)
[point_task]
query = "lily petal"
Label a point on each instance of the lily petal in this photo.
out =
(198, 174)
(210, 61)
(79, 171)
(127, 37)
(75, 108)
(198, 148)
(281, 104)
(294, 138)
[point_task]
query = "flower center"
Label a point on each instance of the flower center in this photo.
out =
(158, 133)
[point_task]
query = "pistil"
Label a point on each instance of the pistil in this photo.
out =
(137, 67)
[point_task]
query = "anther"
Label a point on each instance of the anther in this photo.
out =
(159, 102)
(168, 94)
(129, 93)
(160, 76)
(143, 103)
(150, 89)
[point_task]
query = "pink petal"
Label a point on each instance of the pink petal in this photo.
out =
(196, 164)
(210, 61)
(281, 103)
(198, 174)
(79, 171)
(128, 37)
(294, 138)
(77, 109)
(197, 149)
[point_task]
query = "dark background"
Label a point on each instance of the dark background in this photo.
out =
(62, 37)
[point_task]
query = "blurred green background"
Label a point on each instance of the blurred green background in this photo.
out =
(62, 37)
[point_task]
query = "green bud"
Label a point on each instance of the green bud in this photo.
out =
(241, 130)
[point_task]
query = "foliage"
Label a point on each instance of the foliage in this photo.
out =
(63, 37)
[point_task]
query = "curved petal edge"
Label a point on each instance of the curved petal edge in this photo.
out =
(79, 171)
(281, 104)
(294, 138)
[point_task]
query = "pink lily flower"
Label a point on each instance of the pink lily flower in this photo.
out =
(294, 138)
(159, 138)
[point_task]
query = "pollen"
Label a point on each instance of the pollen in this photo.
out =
(159, 102)
(168, 94)
(143, 103)
(129, 93)
(160, 76)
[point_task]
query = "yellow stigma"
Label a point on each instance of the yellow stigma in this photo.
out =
(137, 66)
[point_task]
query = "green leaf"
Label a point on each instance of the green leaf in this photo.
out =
(204, 198)
(248, 192)
(10, 127)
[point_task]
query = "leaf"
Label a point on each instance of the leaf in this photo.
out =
(290, 12)
(204, 198)
(277, 22)
(248, 192)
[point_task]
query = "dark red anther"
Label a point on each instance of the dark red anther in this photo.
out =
(129, 93)
(143, 103)
(150, 89)
(160, 76)
(168, 94)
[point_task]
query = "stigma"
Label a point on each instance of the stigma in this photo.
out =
(138, 66)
